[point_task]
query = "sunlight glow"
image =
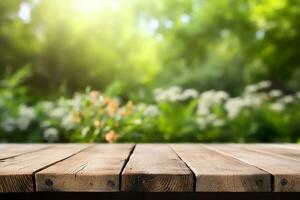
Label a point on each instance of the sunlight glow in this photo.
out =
(88, 6)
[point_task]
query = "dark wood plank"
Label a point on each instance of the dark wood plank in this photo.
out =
(11, 150)
(285, 171)
(16, 173)
(216, 172)
(156, 168)
(96, 169)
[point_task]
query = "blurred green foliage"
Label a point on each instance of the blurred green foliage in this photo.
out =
(259, 114)
(126, 49)
(144, 44)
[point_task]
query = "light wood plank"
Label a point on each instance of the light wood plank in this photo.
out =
(16, 173)
(286, 172)
(289, 146)
(156, 168)
(11, 150)
(278, 150)
(96, 169)
(216, 172)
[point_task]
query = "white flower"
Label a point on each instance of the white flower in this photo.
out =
(85, 131)
(67, 122)
(213, 97)
(151, 111)
(8, 124)
(174, 94)
(76, 103)
(51, 134)
(45, 124)
(203, 109)
(254, 100)
(287, 99)
(251, 88)
(189, 94)
(23, 123)
(208, 99)
(26, 112)
(162, 95)
(47, 106)
(264, 84)
(218, 123)
(275, 93)
(58, 112)
(233, 106)
(26, 115)
(278, 107)
(211, 118)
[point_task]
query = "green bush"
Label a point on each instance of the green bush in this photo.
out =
(259, 114)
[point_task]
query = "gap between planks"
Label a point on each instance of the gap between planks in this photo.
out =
(234, 157)
(216, 172)
(192, 172)
(125, 163)
(156, 168)
(285, 171)
(96, 169)
(35, 172)
(17, 173)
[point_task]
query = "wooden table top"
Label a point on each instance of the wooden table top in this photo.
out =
(150, 167)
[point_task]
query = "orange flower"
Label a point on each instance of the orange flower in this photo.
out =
(97, 123)
(112, 107)
(111, 136)
(107, 100)
(128, 109)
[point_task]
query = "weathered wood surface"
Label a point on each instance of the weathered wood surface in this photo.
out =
(276, 150)
(156, 168)
(150, 167)
(16, 173)
(96, 169)
(216, 172)
(11, 150)
(285, 171)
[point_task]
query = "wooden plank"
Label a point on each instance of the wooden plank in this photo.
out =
(285, 171)
(217, 172)
(156, 168)
(16, 173)
(278, 150)
(11, 150)
(289, 146)
(96, 169)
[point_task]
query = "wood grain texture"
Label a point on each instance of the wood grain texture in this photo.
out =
(156, 168)
(16, 173)
(278, 150)
(216, 172)
(285, 171)
(11, 150)
(96, 169)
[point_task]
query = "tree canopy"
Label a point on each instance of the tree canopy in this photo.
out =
(125, 46)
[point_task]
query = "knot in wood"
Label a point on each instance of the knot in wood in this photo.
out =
(48, 182)
(283, 182)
